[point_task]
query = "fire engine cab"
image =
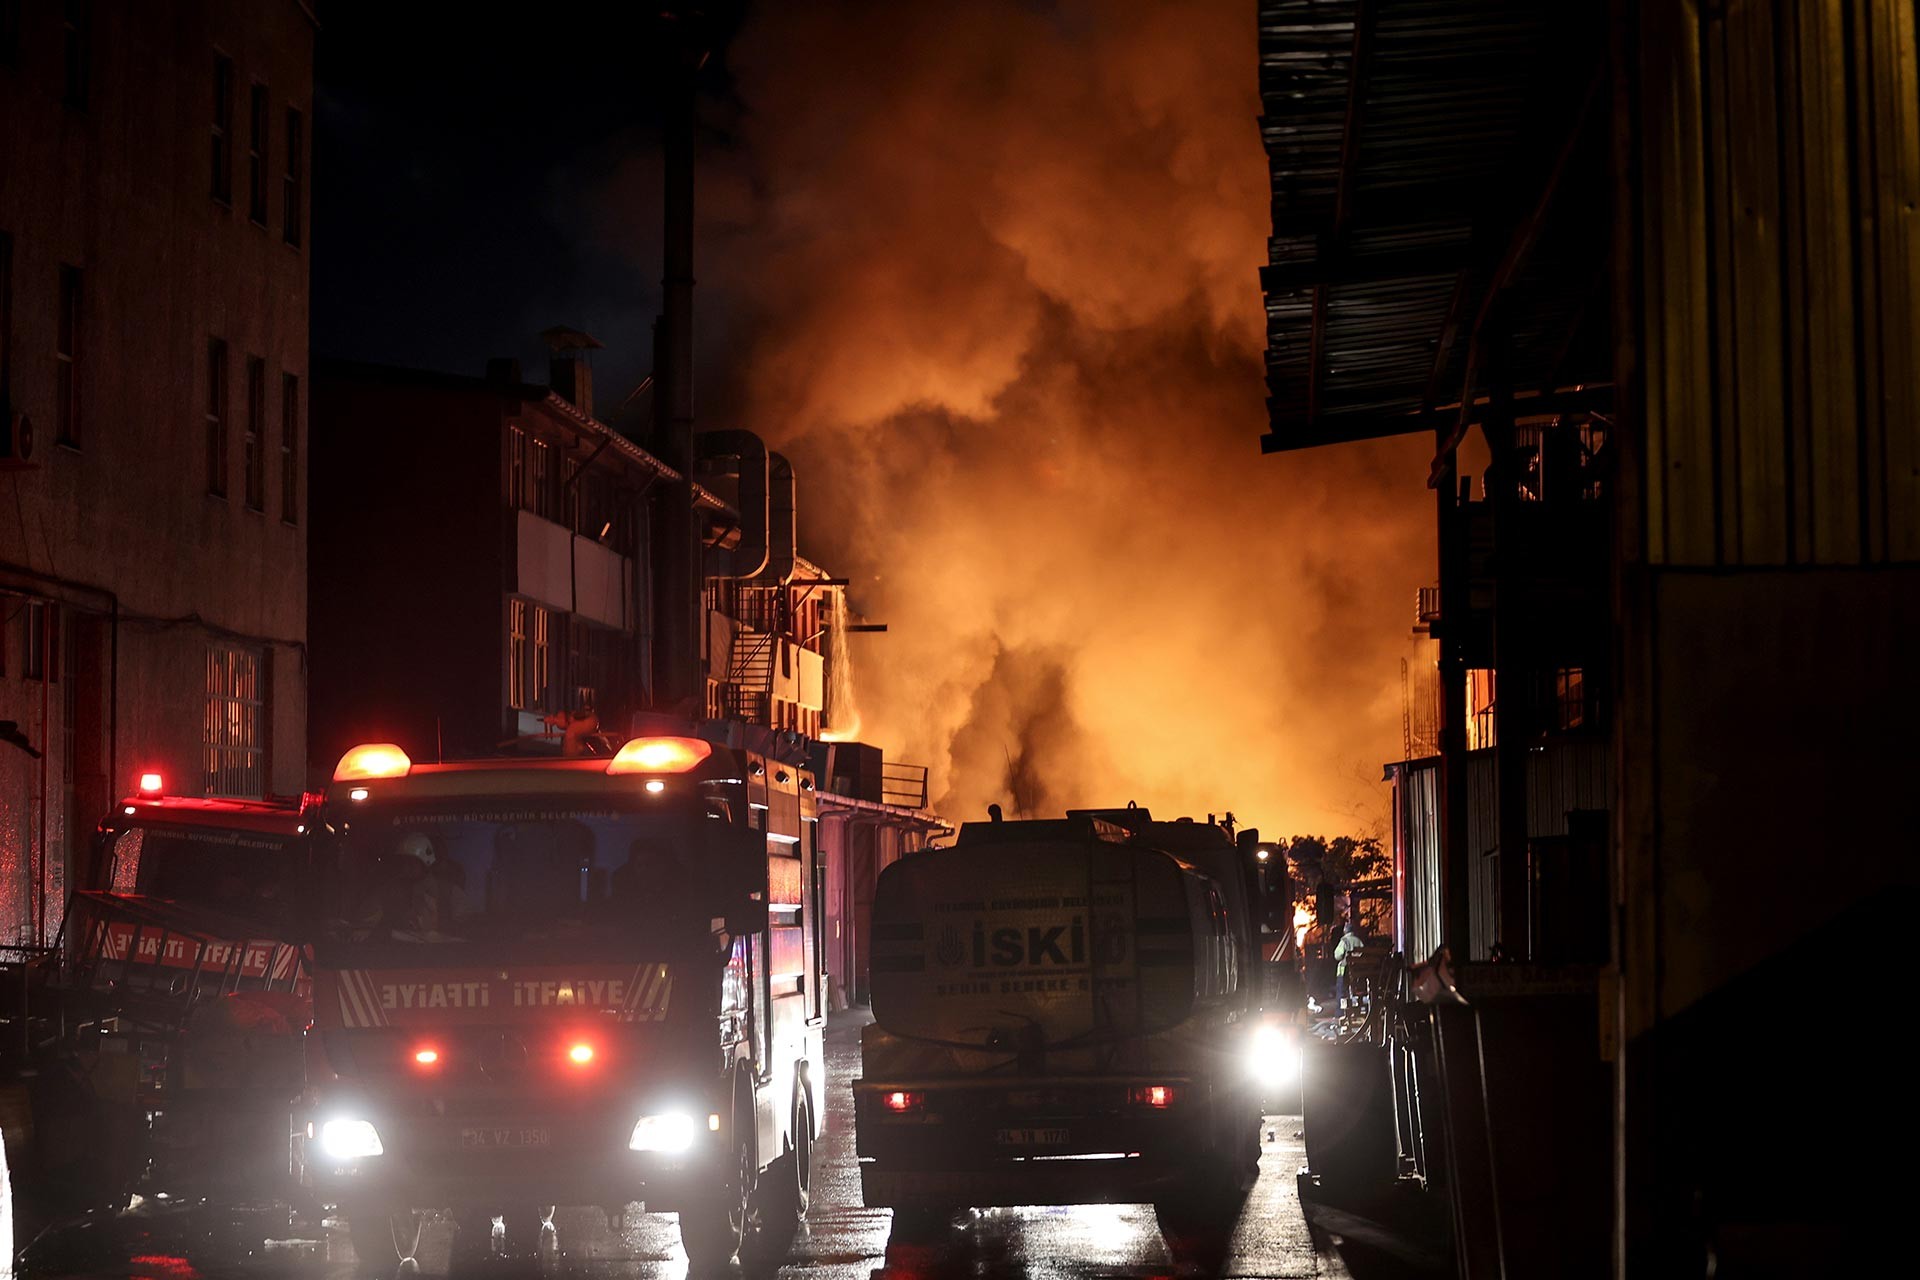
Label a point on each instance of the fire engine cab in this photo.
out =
(167, 1022)
(545, 981)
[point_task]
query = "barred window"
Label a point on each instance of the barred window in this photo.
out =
(235, 752)
(517, 654)
(542, 675)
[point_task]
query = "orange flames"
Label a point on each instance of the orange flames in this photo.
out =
(999, 267)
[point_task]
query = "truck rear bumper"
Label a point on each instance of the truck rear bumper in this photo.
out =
(1019, 1141)
(567, 1178)
(1122, 1179)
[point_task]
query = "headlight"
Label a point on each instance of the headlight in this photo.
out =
(671, 1131)
(349, 1139)
(1274, 1057)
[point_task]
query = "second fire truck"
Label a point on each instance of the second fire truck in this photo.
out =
(565, 981)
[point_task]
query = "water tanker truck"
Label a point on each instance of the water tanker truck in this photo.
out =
(1062, 1010)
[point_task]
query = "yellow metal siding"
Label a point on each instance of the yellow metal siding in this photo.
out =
(1781, 177)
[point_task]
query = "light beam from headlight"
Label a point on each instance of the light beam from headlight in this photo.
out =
(670, 1132)
(350, 1139)
(1273, 1057)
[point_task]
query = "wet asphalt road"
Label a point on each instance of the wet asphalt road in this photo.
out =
(841, 1239)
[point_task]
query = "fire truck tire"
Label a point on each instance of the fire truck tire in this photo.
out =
(472, 1244)
(713, 1225)
(787, 1184)
(525, 1225)
(382, 1236)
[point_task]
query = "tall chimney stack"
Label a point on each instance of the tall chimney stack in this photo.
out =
(569, 370)
(678, 683)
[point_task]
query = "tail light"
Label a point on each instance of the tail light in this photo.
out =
(426, 1056)
(580, 1053)
(1157, 1096)
(903, 1100)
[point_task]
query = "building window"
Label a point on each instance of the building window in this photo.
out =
(40, 641)
(217, 418)
(66, 354)
(235, 753)
(77, 22)
(516, 466)
(540, 480)
(517, 654)
(1480, 708)
(569, 512)
(540, 679)
(6, 323)
(257, 155)
(1570, 697)
(255, 441)
(291, 197)
(290, 448)
(222, 129)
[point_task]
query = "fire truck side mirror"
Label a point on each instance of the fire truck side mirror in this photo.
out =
(747, 917)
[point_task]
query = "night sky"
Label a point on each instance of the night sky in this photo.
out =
(462, 180)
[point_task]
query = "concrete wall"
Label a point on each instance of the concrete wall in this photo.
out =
(120, 531)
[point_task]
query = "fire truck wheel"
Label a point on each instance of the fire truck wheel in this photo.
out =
(382, 1236)
(787, 1184)
(525, 1226)
(714, 1225)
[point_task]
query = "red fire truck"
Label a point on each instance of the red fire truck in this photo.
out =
(165, 1028)
(583, 981)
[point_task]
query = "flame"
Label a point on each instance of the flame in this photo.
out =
(1302, 921)
(998, 267)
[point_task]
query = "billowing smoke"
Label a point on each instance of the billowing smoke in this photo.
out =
(999, 264)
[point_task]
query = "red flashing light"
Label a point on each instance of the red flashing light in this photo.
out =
(660, 755)
(151, 784)
(427, 1056)
(372, 760)
(580, 1054)
(1157, 1096)
(904, 1100)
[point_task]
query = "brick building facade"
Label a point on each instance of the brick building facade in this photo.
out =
(153, 383)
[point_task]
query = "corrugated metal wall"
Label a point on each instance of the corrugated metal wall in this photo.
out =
(1569, 774)
(1780, 229)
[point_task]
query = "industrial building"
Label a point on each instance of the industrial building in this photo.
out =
(153, 391)
(1658, 262)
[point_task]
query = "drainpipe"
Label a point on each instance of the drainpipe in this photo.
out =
(748, 559)
(780, 520)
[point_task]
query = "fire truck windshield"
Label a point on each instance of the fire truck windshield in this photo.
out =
(533, 879)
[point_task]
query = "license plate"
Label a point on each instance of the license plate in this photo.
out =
(494, 1139)
(1031, 1137)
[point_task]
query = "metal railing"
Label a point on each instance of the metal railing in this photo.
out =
(904, 785)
